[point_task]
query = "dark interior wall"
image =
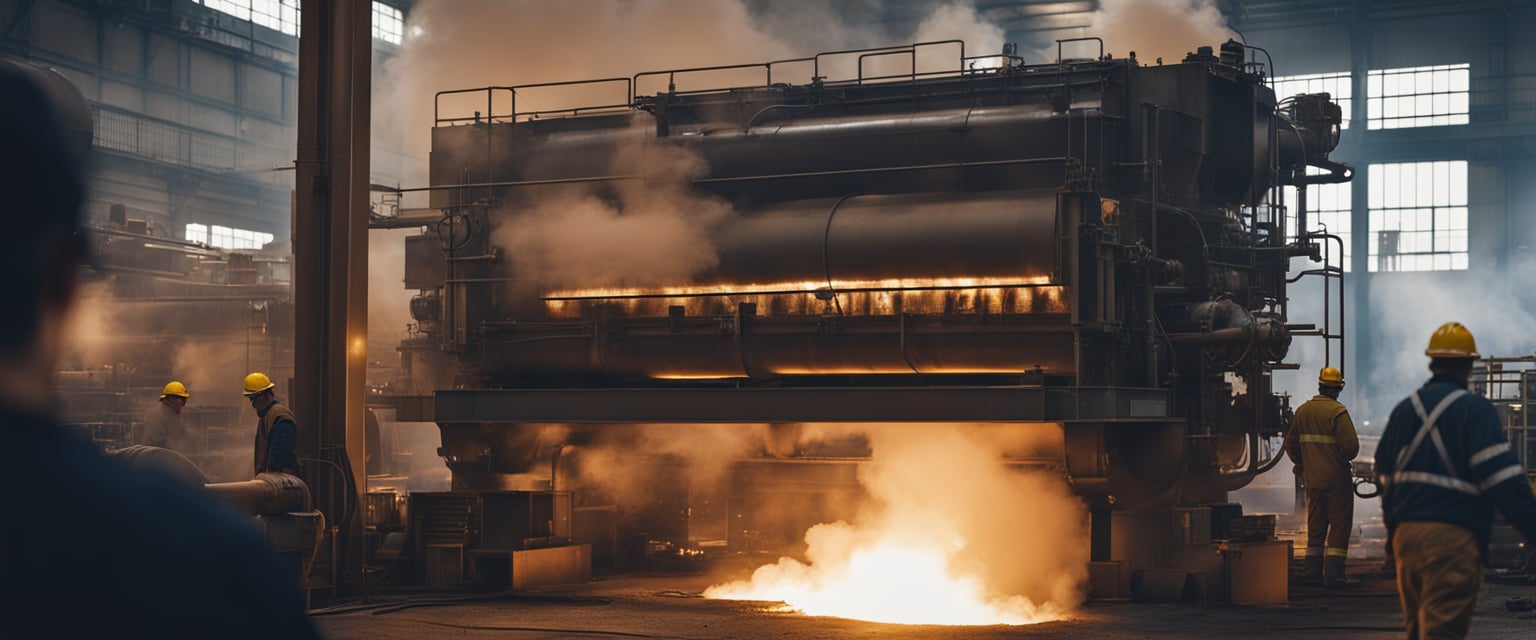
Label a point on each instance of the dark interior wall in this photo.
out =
(189, 120)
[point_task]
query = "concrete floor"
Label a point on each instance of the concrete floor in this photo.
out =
(667, 606)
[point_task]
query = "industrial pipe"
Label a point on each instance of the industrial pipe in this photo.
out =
(269, 494)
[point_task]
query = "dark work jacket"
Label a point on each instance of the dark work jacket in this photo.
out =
(91, 548)
(1483, 473)
(277, 437)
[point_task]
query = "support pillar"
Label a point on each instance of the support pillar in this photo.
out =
(331, 265)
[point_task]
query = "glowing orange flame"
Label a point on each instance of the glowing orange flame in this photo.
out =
(1033, 294)
(988, 545)
(886, 582)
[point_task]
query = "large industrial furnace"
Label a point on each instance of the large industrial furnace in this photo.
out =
(1092, 244)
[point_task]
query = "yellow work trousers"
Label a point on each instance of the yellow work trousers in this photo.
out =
(1439, 575)
(1330, 519)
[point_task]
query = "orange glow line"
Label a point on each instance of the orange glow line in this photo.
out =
(792, 288)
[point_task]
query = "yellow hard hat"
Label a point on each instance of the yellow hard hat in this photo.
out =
(1330, 377)
(1452, 340)
(174, 388)
(256, 383)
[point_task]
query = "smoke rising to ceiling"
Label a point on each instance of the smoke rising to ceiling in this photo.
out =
(1155, 29)
(654, 231)
(946, 539)
(1498, 312)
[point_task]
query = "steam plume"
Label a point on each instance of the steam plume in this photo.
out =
(1154, 29)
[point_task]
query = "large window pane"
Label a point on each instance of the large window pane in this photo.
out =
(1418, 96)
(1418, 216)
(283, 16)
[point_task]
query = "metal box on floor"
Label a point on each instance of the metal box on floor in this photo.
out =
(569, 564)
(1192, 525)
(445, 565)
(598, 527)
(524, 519)
(1109, 581)
(1258, 572)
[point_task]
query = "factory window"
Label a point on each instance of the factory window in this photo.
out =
(226, 237)
(283, 16)
(1337, 85)
(388, 23)
(278, 15)
(1328, 209)
(1418, 96)
(1418, 216)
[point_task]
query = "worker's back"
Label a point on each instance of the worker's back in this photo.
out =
(1325, 437)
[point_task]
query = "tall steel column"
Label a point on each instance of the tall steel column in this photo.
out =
(330, 242)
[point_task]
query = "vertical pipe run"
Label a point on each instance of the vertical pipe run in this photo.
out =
(331, 259)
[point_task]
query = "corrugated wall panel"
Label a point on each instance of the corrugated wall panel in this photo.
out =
(125, 49)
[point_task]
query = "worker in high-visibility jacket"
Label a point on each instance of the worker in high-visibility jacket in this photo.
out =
(1321, 443)
(1444, 465)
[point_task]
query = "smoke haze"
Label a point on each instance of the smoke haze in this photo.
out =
(656, 231)
(1155, 29)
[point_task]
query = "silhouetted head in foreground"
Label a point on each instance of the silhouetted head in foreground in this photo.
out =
(45, 137)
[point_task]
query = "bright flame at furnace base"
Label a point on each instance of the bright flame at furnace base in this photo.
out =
(950, 535)
(888, 581)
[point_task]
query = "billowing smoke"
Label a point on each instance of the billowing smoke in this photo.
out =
(959, 20)
(1497, 311)
(653, 231)
(1155, 29)
(462, 44)
(132, 345)
(951, 536)
(620, 463)
(656, 230)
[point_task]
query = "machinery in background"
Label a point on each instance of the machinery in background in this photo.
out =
(156, 309)
(1510, 383)
(1093, 245)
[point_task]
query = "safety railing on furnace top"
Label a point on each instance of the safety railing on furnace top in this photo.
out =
(501, 102)
(1510, 383)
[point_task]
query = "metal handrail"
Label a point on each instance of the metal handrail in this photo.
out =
(1082, 39)
(490, 96)
(631, 83)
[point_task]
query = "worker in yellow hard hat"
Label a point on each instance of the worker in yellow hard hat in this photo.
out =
(277, 432)
(164, 428)
(1444, 465)
(1321, 443)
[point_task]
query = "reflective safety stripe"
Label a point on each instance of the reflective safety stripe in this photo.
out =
(1317, 438)
(1435, 479)
(1336, 552)
(1503, 474)
(1428, 428)
(1488, 454)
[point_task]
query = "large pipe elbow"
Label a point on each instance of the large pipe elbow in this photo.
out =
(268, 494)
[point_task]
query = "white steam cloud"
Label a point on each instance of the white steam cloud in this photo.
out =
(657, 231)
(649, 234)
(1155, 29)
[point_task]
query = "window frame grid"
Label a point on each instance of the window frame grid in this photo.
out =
(1425, 205)
(1430, 96)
